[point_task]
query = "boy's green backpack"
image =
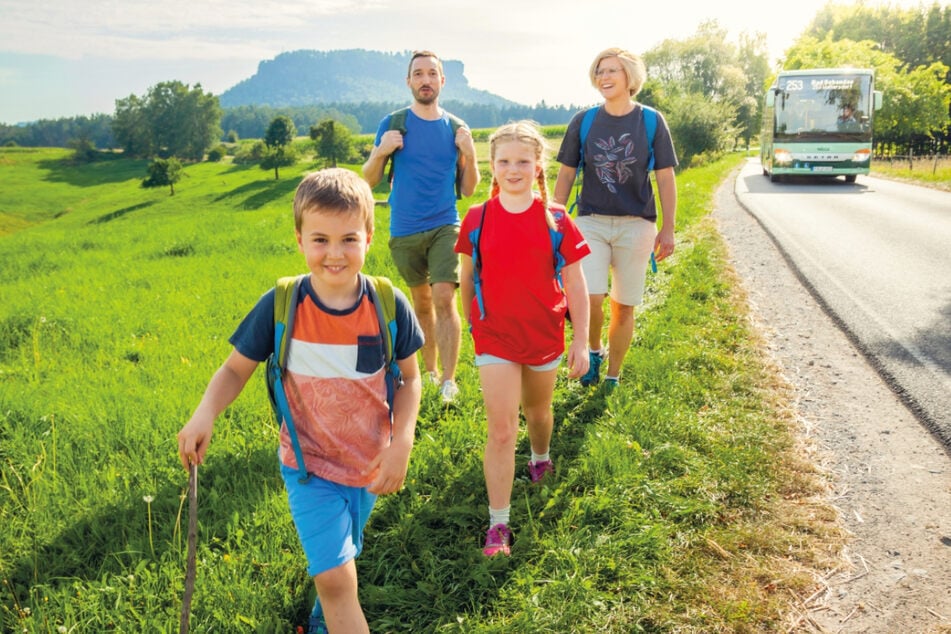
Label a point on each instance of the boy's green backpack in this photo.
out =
(286, 298)
(398, 122)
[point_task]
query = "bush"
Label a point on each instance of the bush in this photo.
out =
(217, 153)
(252, 153)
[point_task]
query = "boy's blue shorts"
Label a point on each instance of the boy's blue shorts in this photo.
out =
(329, 517)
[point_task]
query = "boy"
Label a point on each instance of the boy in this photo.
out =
(336, 360)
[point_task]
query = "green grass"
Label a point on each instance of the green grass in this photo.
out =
(930, 171)
(679, 504)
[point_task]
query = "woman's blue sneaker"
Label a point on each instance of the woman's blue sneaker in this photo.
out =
(316, 625)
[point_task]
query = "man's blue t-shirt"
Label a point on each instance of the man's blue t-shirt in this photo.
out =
(423, 194)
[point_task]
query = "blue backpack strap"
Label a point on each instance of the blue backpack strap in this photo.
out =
(383, 298)
(286, 297)
(474, 236)
(586, 121)
(556, 239)
(650, 125)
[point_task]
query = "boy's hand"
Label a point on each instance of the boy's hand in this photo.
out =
(193, 442)
(392, 463)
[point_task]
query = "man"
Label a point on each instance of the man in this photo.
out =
(846, 121)
(428, 157)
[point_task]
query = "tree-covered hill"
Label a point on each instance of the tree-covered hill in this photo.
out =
(310, 77)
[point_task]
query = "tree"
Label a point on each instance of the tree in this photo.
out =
(164, 172)
(171, 120)
(916, 101)
(131, 127)
(333, 139)
(708, 88)
(700, 126)
(84, 150)
(278, 138)
(754, 60)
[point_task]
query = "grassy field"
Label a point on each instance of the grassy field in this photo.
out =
(933, 171)
(680, 504)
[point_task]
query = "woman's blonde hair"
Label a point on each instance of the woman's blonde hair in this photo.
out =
(526, 132)
(633, 67)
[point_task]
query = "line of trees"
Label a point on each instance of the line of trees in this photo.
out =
(910, 50)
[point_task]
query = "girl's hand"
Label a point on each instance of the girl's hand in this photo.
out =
(577, 359)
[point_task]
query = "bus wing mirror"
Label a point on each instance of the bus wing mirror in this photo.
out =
(770, 99)
(877, 99)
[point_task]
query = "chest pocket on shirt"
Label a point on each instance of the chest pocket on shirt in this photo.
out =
(369, 353)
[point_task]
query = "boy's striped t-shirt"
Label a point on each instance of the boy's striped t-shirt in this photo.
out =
(336, 387)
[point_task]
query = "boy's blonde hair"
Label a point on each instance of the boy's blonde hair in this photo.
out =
(633, 67)
(526, 132)
(334, 190)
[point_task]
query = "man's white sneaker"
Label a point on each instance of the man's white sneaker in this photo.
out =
(449, 391)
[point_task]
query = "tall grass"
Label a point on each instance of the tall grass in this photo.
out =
(678, 503)
(933, 171)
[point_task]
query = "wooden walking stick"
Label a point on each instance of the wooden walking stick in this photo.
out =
(192, 546)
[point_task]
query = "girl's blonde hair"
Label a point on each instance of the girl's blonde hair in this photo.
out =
(526, 132)
(633, 67)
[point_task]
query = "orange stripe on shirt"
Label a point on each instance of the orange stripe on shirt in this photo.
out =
(313, 325)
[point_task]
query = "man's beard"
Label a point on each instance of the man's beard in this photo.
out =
(427, 99)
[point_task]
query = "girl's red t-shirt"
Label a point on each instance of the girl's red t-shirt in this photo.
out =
(525, 307)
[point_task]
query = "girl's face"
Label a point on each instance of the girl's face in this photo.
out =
(515, 167)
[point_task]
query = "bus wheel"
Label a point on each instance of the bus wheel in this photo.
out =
(850, 178)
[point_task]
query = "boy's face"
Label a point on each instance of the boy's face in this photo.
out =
(335, 247)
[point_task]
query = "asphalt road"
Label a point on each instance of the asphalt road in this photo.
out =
(877, 255)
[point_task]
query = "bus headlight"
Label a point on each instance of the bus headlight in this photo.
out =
(783, 157)
(862, 156)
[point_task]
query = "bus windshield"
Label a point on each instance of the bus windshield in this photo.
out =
(823, 108)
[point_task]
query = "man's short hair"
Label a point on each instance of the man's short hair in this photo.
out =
(416, 54)
(334, 190)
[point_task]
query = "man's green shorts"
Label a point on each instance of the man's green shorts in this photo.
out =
(427, 257)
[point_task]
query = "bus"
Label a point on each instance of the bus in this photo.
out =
(818, 122)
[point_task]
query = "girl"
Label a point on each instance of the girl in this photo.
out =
(515, 305)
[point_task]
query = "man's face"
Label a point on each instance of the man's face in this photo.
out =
(425, 80)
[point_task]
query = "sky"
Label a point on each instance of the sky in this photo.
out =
(63, 58)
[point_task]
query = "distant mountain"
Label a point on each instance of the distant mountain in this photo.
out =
(300, 78)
